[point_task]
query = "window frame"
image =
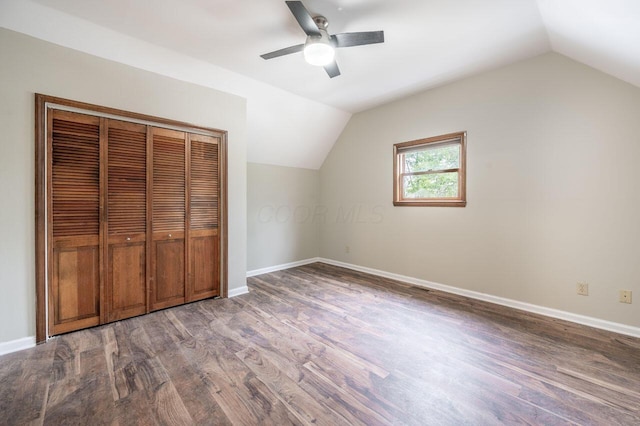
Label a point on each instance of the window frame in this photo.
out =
(415, 145)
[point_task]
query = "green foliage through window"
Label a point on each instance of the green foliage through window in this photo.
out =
(431, 171)
(436, 158)
(438, 185)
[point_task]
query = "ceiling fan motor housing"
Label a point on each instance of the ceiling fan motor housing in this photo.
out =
(321, 22)
(319, 48)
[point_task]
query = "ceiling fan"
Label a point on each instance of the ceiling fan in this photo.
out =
(319, 49)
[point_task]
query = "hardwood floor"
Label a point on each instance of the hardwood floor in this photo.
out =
(324, 345)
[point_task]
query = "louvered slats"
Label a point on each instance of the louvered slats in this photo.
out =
(204, 185)
(74, 167)
(168, 183)
(127, 179)
(133, 219)
(126, 277)
(75, 176)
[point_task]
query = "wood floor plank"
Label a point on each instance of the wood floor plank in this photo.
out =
(134, 409)
(319, 344)
(167, 406)
(290, 351)
(242, 398)
(313, 327)
(115, 362)
(32, 387)
(304, 407)
(80, 400)
(29, 395)
(202, 407)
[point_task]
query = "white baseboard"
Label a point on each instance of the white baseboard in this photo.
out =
(17, 345)
(554, 313)
(30, 342)
(281, 267)
(234, 292)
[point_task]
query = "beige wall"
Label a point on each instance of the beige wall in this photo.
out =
(283, 215)
(552, 188)
(28, 66)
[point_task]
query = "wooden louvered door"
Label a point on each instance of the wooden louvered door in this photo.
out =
(168, 177)
(74, 234)
(126, 200)
(203, 237)
(130, 215)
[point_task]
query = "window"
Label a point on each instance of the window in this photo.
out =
(430, 172)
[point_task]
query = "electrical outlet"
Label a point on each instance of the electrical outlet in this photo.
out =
(347, 249)
(625, 296)
(582, 288)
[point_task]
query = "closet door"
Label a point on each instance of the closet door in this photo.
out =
(203, 236)
(73, 217)
(126, 200)
(168, 179)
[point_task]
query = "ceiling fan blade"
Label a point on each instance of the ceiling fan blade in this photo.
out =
(332, 69)
(286, 51)
(304, 18)
(357, 39)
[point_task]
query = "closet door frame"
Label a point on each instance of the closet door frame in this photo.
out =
(44, 103)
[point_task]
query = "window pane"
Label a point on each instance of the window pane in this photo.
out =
(436, 158)
(438, 185)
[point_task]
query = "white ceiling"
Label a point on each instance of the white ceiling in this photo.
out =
(427, 43)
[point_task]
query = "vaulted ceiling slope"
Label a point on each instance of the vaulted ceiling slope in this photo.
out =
(295, 112)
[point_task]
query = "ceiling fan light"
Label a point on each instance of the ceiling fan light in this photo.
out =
(319, 52)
